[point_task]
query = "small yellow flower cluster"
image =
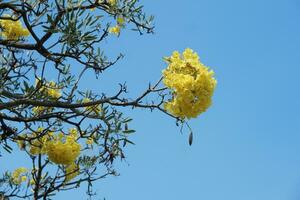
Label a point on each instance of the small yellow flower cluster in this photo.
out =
(18, 176)
(51, 90)
(117, 28)
(39, 145)
(71, 172)
(60, 148)
(23, 174)
(120, 21)
(66, 153)
(92, 109)
(112, 2)
(192, 84)
(38, 110)
(89, 141)
(12, 30)
(64, 150)
(32, 182)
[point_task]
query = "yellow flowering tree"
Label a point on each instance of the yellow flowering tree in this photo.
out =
(71, 135)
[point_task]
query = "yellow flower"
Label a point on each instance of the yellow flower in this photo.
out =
(12, 30)
(63, 152)
(120, 21)
(49, 89)
(89, 141)
(18, 175)
(38, 110)
(115, 30)
(92, 109)
(191, 82)
(54, 93)
(39, 145)
(72, 171)
(32, 182)
(60, 148)
(73, 132)
(52, 90)
(23, 178)
(112, 2)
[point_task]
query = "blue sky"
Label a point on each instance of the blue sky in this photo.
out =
(246, 146)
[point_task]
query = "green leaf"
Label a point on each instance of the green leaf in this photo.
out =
(127, 120)
(128, 141)
(129, 131)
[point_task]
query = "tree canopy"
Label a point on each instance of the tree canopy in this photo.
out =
(73, 136)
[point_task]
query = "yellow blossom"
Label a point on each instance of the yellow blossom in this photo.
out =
(53, 91)
(115, 30)
(96, 109)
(60, 148)
(73, 132)
(38, 110)
(112, 2)
(32, 182)
(18, 175)
(63, 152)
(39, 145)
(49, 89)
(120, 21)
(191, 82)
(12, 30)
(23, 178)
(89, 141)
(72, 171)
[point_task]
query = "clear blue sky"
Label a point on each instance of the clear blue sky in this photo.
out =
(246, 147)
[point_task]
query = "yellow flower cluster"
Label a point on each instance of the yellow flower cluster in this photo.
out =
(60, 148)
(39, 145)
(51, 90)
(72, 171)
(191, 82)
(12, 30)
(92, 109)
(89, 141)
(64, 150)
(112, 2)
(117, 28)
(66, 153)
(38, 110)
(18, 176)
